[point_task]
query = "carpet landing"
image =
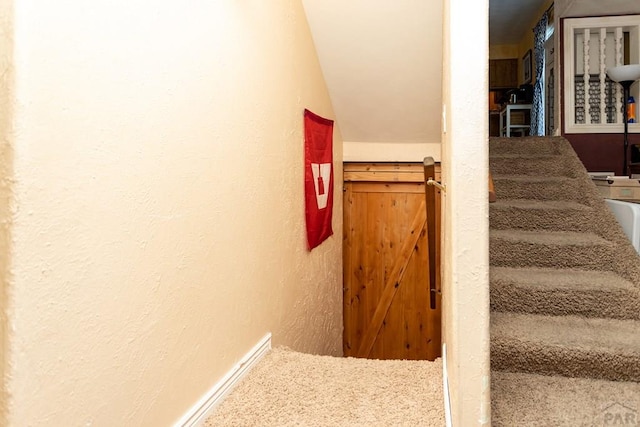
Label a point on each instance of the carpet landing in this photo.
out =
(565, 293)
(294, 389)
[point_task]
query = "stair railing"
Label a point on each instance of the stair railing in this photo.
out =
(492, 189)
(430, 194)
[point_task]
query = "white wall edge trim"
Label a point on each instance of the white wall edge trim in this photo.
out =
(203, 408)
(445, 385)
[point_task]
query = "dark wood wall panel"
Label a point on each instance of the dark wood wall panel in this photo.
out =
(601, 151)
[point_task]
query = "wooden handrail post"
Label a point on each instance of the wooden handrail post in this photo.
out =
(492, 190)
(430, 196)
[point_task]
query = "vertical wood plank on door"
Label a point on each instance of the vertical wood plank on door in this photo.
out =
(363, 287)
(349, 252)
(396, 216)
(371, 236)
(387, 252)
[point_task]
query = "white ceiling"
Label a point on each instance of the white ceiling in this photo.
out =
(382, 63)
(510, 19)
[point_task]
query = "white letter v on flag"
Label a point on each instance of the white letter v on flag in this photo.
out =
(321, 177)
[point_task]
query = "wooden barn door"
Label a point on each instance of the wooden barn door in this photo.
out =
(386, 276)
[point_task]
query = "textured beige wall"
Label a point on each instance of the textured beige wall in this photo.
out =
(6, 116)
(160, 230)
(466, 211)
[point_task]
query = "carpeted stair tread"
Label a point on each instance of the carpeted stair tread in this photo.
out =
(557, 292)
(571, 346)
(526, 156)
(532, 164)
(554, 205)
(524, 248)
(565, 278)
(556, 179)
(550, 238)
(539, 215)
(531, 400)
(538, 187)
(611, 334)
(523, 146)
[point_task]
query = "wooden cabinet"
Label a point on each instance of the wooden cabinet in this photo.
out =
(386, 276)
(494, 123)
(503, 73)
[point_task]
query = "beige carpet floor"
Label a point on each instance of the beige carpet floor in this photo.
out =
(288, 388)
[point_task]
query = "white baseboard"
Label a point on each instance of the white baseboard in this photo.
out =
(201, 410)
(445, 384)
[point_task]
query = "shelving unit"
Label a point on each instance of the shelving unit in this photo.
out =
(515, 120)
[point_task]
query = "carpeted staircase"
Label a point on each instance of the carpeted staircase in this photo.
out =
(565, 293)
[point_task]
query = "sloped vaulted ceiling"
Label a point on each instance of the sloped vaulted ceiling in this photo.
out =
(382, 62)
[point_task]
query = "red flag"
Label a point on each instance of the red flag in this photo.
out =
(318, 177)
